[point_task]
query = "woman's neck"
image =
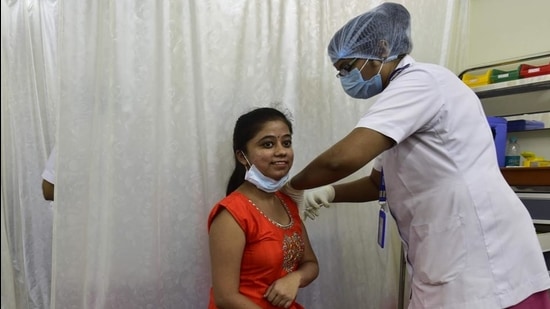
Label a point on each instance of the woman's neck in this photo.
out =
(256, 194)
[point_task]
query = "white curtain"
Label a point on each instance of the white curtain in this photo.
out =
(141, 98)
(29, 102)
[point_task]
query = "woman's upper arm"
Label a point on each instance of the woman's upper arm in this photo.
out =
(227, 241)
(309, 254)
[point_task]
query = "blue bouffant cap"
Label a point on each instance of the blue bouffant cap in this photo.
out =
(361, 37)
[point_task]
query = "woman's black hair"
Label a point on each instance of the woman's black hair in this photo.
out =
(247, 126)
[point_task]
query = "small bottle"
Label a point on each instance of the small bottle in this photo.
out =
(513, 153)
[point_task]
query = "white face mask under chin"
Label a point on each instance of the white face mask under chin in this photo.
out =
(262, 182)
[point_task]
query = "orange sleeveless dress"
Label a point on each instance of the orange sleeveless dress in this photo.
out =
(271, 250)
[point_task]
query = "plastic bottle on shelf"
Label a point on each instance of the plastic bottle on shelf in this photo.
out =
(513, 153)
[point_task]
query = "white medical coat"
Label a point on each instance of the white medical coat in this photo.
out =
(470, 242)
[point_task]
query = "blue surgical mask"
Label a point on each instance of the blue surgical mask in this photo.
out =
(262, 182)
(356, 87)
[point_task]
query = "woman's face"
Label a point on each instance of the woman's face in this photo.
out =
(270, 150)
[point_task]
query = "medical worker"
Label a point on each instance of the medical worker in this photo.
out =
(469, 241)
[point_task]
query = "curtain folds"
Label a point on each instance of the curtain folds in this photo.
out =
(140, 98)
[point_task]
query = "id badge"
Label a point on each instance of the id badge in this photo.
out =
(382, 229)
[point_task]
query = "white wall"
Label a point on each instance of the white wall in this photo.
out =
(507, 29)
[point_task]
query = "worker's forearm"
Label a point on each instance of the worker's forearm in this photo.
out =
(361, 190)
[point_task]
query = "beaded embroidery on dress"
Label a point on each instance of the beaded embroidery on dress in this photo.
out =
(293, 251)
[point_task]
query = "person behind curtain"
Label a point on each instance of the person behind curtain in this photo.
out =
(469, 240)
(48, 176)
(259, 248)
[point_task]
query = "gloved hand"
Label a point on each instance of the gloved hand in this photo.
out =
(317, 198)
(297, 196)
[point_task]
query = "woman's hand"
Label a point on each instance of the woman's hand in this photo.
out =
(283, 291)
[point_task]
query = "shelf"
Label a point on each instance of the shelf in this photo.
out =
(544, 239)
(527, 176)
(532, 130)
(529, 95)
(524, 85)
(517, 103)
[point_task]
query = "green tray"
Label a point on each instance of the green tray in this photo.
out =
(498, 76)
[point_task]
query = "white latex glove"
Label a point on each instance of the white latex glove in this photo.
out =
(297, 196)
(317, 198)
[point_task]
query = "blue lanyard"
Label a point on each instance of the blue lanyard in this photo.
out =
(382, 214)
(382, 191)
(398, 71)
